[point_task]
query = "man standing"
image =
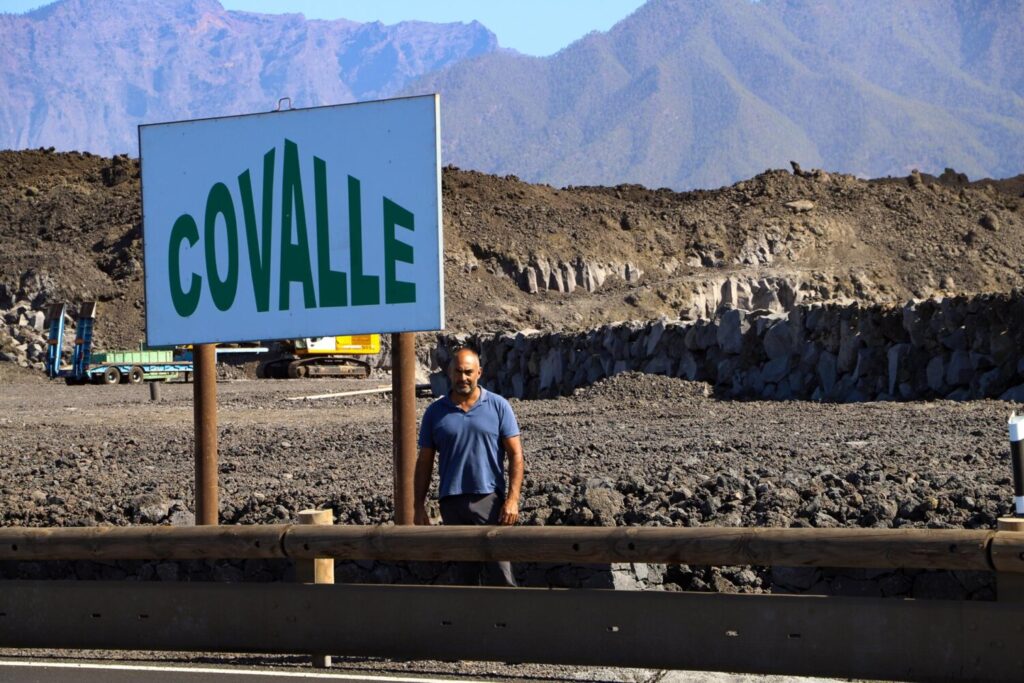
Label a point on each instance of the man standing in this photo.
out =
(472, 430)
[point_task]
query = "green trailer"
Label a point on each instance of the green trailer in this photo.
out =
(112, 367)
(106, 367)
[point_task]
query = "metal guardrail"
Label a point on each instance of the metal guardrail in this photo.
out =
(874, 638)
(907, 640)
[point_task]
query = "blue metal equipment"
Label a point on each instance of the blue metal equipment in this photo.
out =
(109, 367)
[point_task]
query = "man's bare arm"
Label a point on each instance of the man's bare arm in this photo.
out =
(510, 509)
(424, 471)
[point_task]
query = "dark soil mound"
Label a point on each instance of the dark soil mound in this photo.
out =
(71, 225)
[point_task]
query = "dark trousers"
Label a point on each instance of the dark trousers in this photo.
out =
(473, 509)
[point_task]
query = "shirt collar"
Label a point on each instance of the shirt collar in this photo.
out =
(484, 397)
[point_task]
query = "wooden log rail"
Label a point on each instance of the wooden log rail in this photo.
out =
(1000, 551)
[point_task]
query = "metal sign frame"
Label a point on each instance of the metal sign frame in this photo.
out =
(291, 224)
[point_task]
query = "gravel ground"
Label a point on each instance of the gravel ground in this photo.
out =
(662, 450)
(631, 450)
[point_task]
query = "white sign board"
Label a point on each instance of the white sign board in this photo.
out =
(292, 224)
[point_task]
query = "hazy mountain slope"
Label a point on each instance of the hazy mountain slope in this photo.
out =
(699, 93)
(682, 93)
(81, 74)
(910, 47)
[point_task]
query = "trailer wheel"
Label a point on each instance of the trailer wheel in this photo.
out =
(135, 375)
(111, 376)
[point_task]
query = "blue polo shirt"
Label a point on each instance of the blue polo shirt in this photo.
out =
(468, 443)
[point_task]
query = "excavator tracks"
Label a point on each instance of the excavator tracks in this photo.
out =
(296, 368)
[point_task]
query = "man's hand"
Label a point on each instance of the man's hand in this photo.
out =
(424, 470)
(420, 517)
(509, 513)
(510, 510)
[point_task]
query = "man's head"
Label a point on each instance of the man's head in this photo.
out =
(464, 372)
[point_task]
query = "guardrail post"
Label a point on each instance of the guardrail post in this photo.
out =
(318, 570)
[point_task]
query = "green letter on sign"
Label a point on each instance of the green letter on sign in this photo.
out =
(218, 202)
(260, 245)
(395, 291)
(185, 303)
(365, 288)
(333, 288)
(295, 265)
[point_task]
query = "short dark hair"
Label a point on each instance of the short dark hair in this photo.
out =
(467, 345)
(459, 348)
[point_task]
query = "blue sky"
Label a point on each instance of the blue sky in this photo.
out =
(534, 27)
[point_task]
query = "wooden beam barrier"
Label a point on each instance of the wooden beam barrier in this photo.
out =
(866, 548)
(143, 542)
(854, 548)
(1007, 558)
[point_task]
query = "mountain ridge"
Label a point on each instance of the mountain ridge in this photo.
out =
(681, 93)
(86, 73)
(697, 94)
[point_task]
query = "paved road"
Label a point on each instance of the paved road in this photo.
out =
(18, 671)
(70, 672)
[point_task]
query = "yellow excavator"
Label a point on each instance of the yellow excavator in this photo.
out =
(321, 357)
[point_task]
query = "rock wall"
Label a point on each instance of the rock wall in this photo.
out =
(703, 295)
(957, 348)
(563, 275)
(710, 297)
(23, 335)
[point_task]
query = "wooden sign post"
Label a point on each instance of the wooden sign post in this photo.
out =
(403, 413)
(204, 393)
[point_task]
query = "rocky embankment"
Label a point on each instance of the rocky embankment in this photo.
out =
(23, 336)
(958, 348)
(523, 256)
